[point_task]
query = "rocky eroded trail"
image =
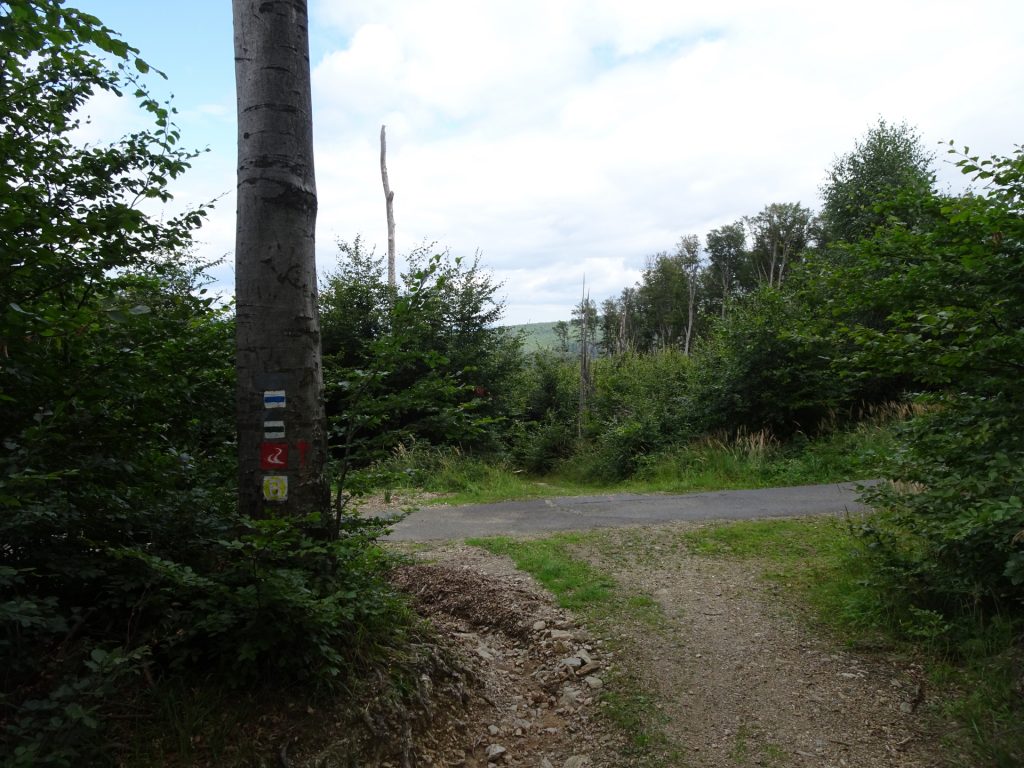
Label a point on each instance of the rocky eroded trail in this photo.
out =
(737, 678)
(537, 672)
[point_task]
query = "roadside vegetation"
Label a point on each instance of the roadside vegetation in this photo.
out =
(449, 475)
(879, 337)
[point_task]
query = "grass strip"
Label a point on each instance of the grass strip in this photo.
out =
(711, 464)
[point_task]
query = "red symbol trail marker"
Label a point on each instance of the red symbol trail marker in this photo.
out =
(273, 455)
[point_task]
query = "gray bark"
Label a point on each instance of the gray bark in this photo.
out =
(585, 379)
(726, 288)
(279, 407)
(689, 255)
(691, 288)
(389, 205)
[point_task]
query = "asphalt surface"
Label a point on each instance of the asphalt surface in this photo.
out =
(575, 513)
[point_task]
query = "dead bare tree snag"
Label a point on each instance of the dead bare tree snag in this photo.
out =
(389, 204)
(586, 377)
(280, 404)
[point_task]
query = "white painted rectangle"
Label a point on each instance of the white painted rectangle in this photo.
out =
(273, 398)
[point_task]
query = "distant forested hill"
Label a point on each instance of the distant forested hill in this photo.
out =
(537, 335)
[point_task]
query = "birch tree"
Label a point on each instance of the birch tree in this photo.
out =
(279, 409)
(778, 234)
(688, 255)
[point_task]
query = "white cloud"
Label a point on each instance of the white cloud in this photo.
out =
(564, 138)
(105, 117)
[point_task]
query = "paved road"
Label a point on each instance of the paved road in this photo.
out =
(568, 513)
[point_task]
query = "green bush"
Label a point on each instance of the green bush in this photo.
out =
(759, 369)
(423, 361)
(539, 445)
(122, 558)
(950, 525)
(950, 532)
(547, 406)
(112, 382)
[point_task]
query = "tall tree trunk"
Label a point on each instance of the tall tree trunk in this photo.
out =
(691, 290)
(726, 289)
(585, 379)
(389, 206)
(621, 341)
(280, 407)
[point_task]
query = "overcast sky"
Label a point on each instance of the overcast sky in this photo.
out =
(565, 138)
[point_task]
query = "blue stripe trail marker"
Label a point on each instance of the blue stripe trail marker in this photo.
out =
(273, 398)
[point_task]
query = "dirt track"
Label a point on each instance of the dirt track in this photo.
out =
(740, 678)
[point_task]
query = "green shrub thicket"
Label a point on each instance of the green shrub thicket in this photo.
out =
(666, 409)
(545, 430)
(423, 362)
(122, 559)
(953, 524)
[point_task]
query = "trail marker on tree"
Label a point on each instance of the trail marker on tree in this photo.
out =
(280, 381)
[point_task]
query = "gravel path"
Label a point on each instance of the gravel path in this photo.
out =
(740, 678)
(743, 681)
